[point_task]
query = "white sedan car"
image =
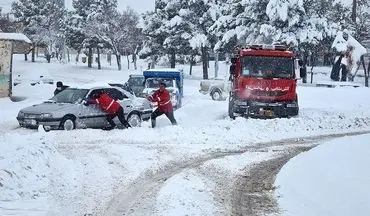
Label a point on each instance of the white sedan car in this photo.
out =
(68, 109)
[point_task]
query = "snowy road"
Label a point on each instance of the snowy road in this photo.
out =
(248, 193)
(199, 167)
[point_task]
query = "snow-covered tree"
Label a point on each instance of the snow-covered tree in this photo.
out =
(166, 30)
(152, 48)
(6, 23)
(42, 20)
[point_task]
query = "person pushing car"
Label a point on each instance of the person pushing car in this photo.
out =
(163, 98)
(110, 106)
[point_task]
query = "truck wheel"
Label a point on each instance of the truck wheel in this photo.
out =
(231, 107)
(295, 111)
(216, 94)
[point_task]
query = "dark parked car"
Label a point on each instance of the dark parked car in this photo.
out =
(135, 84)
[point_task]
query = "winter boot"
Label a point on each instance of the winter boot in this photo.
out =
(153, 123)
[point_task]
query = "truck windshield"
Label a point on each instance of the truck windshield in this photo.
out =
(154, 83)
(269, 67)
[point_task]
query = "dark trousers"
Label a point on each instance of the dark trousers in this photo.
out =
(344, 73)
(121, 117)
(157, 113)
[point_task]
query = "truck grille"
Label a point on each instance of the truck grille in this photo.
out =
(268, 93)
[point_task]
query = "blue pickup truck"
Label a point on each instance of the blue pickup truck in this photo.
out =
(174, 79)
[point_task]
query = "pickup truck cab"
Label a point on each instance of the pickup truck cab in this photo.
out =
(173, 79)
(217, 88)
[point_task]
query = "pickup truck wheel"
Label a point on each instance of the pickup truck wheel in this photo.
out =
(216, 94)
(231, 108)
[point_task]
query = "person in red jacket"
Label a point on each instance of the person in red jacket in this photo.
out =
(110, 106)
(163, 98)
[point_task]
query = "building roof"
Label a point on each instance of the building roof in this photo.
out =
(15, 37)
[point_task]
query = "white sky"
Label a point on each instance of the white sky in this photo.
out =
(138, 5)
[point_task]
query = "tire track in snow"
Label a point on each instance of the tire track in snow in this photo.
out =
(139, 197)
(253, 191)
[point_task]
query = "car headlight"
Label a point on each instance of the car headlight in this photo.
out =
(46, 115)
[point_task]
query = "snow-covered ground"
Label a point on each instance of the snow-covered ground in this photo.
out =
(87, 171)
(332, 179)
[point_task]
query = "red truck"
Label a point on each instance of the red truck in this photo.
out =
(263, 82)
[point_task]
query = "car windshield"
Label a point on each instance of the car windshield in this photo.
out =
(70, 95)
(136, 81)
(154, 83)
(269, 67)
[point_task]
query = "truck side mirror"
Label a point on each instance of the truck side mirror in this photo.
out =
(232, 69)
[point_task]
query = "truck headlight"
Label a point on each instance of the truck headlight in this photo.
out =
(241, 103)
(46, 115)
(292, 105)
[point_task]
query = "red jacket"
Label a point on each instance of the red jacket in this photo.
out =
(107, 103)
(163, 98)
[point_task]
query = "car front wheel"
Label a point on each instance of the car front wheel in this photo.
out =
(68, 124)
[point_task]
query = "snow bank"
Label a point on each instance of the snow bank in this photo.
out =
(331, 179)
(32, 175)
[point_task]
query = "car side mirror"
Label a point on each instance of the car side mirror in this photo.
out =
(85, 103)
(232, 69)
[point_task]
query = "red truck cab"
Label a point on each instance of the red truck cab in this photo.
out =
(263, 82)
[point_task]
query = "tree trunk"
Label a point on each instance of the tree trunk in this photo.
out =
(134, 60)
(33, 54)
(354, 9)
(208, 59)
(99, 66)
(191, 64)
(216, 64)
(26, 57)
(89, 58)
(128, 62)
(205, 62)
(366, 72)
(69, 58)
(173, 59)
(78, 55)
(118, 57)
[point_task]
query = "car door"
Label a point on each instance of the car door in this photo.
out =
(92, 116)
(122, 98)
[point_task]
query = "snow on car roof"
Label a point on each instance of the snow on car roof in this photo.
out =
(101, 84)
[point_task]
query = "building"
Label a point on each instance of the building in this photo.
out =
(10, 43)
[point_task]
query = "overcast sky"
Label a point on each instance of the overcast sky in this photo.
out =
(138, 5)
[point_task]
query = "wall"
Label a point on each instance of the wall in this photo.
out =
(5, 61)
